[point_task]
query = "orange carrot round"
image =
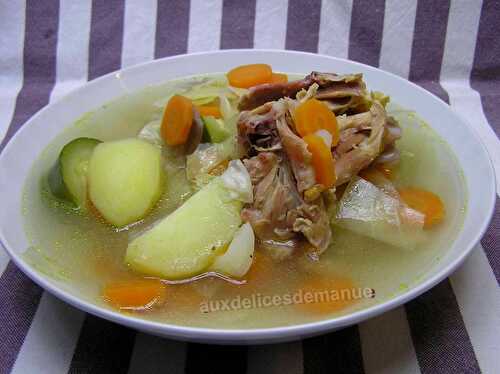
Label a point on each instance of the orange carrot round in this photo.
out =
(210, 110)
(425, 202)
(246, 76)
(177, 120)
(313, 115)
(279, 78)
(135, 294)
(322, 160)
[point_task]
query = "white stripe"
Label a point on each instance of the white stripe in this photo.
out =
(474, 284)
(457, 63)
(49, 344)
(152, 354)
(139, 31)
(399, 22)
(387, 345)
(72, 47)
(334, 28)
(478, 297)
(467, 102)
(51, 340)
(270, 24)
(12, 20)
(204, 25)
(283, 358)
(460, 43)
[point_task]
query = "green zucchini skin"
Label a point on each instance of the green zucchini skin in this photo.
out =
(67, 179)
(214, 131)
(56, 184)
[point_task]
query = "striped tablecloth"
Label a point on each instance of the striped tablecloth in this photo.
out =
(452, 48)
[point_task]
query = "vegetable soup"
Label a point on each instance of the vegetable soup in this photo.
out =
(244, 200)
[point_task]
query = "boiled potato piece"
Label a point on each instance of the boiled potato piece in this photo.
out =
(186, 242)
(238, 258)
(125, 180)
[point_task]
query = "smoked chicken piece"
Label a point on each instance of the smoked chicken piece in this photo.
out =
(281, 173)
(289, 205)
(340, 92)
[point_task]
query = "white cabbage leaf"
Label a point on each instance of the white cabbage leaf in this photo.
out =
(367, 210)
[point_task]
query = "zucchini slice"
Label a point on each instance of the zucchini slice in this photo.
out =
(215, 132)
(68, 177)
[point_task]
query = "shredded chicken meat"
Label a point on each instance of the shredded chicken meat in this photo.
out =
(288, 204)
(339, 92)
(281, 172)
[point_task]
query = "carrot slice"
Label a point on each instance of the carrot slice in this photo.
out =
(322, 160)
(425, 202)
(246, 76)
(135, 294)
(177, 120)
(313, 115)
(210, 110)
(328, 294)
(279, 78)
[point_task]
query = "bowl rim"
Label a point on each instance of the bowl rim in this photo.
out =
(275, 333)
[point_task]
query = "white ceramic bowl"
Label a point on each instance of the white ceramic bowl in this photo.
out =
(20, 153)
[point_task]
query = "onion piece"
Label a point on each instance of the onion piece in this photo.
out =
(238, 182)
(238, 258)
(195, 134)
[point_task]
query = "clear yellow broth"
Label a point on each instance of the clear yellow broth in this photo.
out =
(83, 254)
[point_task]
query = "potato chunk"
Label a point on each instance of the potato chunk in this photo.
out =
(125, 180)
